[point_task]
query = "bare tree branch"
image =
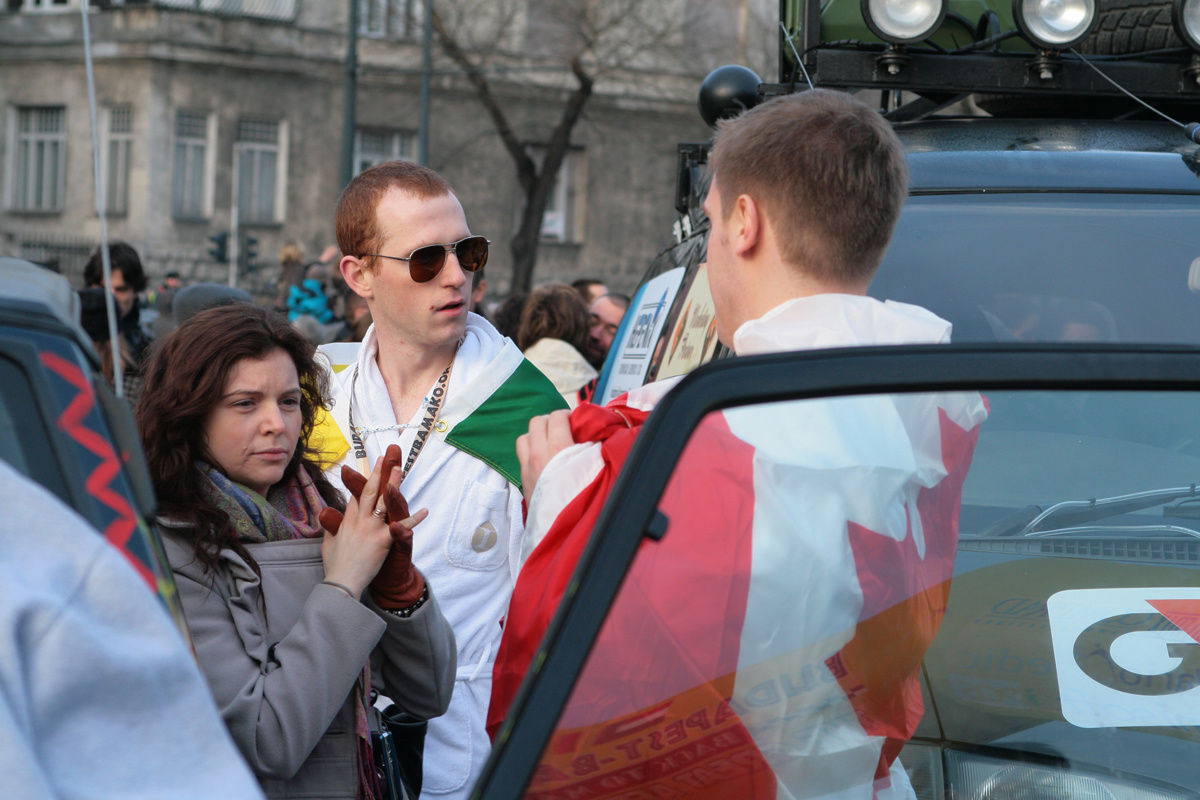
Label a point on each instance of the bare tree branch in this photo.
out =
(526, 171)
(525, 242)
(626, 43)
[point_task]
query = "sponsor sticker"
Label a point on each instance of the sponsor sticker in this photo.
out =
(638, 336)
(692, 337)
(1127, 657)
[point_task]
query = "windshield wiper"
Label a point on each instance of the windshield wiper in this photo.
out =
(1035, 520)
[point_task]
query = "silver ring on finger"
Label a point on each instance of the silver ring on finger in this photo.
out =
(381, 513)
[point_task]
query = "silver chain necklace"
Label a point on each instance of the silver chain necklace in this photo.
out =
(363, 431)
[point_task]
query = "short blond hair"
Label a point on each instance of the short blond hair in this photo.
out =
(290, 253)
(829, 173)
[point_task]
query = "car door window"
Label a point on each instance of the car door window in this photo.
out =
(986, 594)
(24, 439)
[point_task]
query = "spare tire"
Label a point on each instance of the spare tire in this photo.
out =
(1131, 26)
(1124, 26)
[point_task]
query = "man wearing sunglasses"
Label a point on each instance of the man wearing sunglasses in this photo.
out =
(454, 394)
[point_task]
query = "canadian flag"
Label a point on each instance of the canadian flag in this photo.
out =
(769, 645)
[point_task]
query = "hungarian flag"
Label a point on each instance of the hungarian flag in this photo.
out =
(769, 645)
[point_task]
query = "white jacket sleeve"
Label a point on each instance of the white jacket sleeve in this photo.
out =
(99, 696)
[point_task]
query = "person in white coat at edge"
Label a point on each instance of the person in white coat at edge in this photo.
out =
(454, 394)
(298, 612)
(99, 695)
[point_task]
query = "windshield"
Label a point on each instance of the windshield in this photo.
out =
(1050, 267)
(875, 596)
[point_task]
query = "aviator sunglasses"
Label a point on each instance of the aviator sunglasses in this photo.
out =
(426, 262)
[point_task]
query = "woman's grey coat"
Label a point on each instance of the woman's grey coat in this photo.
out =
(284, 671)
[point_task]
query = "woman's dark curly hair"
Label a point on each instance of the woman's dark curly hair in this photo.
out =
(185, 380)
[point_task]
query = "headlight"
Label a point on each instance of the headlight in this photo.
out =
(974, 776)
(923, 763)
(903, 21)
(1054, 24)
(1186, 16)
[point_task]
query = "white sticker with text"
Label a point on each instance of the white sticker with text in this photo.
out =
(1127, 657)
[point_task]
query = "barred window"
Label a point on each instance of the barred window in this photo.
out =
(259, 171)
(120, 119)
(190, 125)
(116, 161)
(190, 188)
(39, 159)
(377, 145)
(562, 220)
(392, 19)
(258, 132)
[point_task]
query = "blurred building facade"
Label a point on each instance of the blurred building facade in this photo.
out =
(205, 106)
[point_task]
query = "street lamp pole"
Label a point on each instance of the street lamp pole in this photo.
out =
(350, 91)
(426, 74)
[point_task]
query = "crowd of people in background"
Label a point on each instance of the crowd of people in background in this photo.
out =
(568, 328)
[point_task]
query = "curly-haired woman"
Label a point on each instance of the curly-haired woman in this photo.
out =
(297, 602)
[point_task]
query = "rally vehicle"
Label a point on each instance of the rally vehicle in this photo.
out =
(1054, 164)
(1054, 219)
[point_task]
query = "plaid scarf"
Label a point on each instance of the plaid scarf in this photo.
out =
(289, 511)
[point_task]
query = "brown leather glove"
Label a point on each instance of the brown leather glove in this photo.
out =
(331, 518)
(398, 584)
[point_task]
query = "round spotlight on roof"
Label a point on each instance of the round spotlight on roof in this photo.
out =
(1185, 14)
(727, 92)
(1055, 24)
(903, 21)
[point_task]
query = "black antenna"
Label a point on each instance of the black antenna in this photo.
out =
(1192, 129)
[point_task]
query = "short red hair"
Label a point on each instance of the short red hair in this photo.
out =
(355, 220)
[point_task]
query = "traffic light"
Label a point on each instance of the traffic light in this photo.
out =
(250, 253)
(219, 248)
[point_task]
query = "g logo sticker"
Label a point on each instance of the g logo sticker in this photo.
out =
(1094, 648)
(1127, 657)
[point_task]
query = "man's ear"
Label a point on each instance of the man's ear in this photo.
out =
(357, 276)
(745, 225)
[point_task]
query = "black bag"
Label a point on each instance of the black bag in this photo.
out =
(399, 750)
